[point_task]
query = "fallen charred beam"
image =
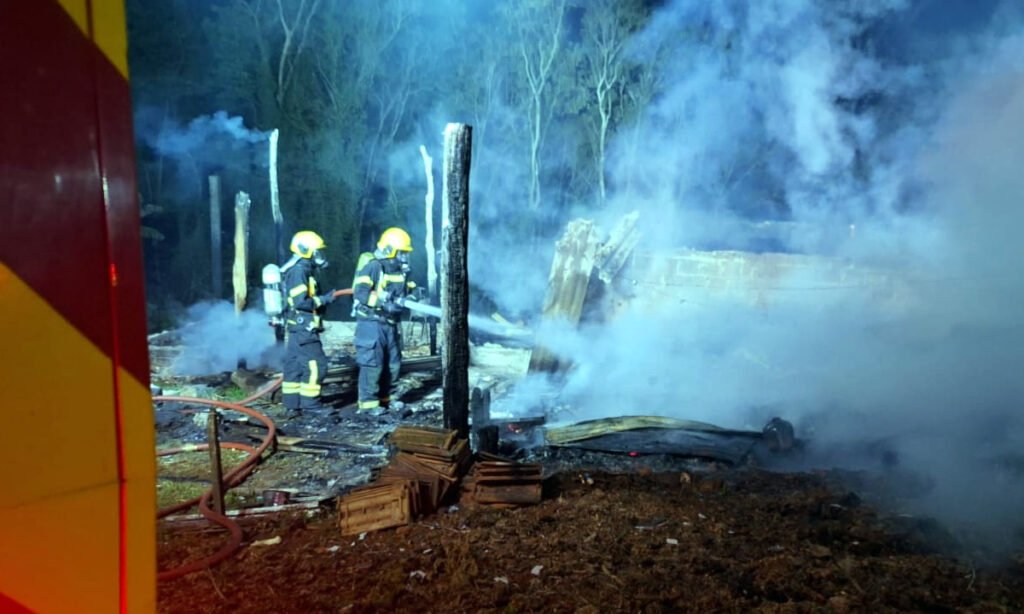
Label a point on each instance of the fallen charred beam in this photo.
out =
(321, 447)
(659, 435)
(729, 449)
(593, 428)
(251, 513)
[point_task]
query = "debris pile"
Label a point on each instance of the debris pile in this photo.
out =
(428, 465)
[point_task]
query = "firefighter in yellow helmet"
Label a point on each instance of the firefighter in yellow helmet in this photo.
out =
(379, 292)
(305, 363)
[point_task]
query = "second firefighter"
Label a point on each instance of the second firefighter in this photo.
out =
(379, 293)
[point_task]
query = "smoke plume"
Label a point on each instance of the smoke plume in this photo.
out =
(214, 339)
(801, 113)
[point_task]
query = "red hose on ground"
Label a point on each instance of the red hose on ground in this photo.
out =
(232, 478)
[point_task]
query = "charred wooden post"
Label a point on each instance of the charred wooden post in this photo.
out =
(275, 200)
(239, 270)
(571, 270)
(215, 237)
(480, 407)
(217, 477)
(480, 414)
(458, 143)
(428, 169)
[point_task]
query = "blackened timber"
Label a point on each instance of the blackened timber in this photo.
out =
(216, 471)
(458, 144)
(215, 237)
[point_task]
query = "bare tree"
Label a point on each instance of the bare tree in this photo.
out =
(538, 27)
(607, 27)
(295, 34)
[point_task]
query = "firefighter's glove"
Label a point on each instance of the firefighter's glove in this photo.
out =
(393, 308)
(327, 299)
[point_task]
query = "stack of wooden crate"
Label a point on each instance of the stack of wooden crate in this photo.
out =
(500, 481)
(427, 466)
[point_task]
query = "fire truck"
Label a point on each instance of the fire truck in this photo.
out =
(77, 497)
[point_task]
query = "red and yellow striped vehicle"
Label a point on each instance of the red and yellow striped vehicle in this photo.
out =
(77, 499)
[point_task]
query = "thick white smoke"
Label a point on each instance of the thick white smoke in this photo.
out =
(214, 338)
(791, 107)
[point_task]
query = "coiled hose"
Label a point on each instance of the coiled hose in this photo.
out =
(231, 479)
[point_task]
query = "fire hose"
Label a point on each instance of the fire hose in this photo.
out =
(232, 478)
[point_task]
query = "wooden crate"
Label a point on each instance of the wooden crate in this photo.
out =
(376, 506)
(422, 438)
(500, 481)
(512, 494)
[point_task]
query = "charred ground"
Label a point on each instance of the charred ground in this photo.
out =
(701, 540)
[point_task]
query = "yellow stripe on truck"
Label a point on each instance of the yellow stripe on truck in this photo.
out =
(59, 511)
(105, 26)
(140, 476)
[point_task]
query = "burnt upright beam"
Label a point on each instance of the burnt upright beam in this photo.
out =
(216, 471)
(458, 146)
(215, 238)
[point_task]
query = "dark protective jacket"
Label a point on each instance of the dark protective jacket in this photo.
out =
(379, 288)
(302, 303)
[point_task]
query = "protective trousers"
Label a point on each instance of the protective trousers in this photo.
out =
(305, 366)
(379, 356)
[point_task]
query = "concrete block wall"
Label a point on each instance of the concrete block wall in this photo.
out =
(668, 279)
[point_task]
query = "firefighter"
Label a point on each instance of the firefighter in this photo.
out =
(379, 292)
(305, 363)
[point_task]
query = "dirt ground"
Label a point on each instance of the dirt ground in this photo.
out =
(736, 541)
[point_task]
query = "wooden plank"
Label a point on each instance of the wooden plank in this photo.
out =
(521, 494)
(490, 456)
(571, 269)
(612, 255)
(423, 437)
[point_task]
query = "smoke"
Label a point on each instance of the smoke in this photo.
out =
(209, 143)
(201, 132)
(214, 339)
(796, 111)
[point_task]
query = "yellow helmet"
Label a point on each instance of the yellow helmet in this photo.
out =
(392, 241)
(305, 243)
